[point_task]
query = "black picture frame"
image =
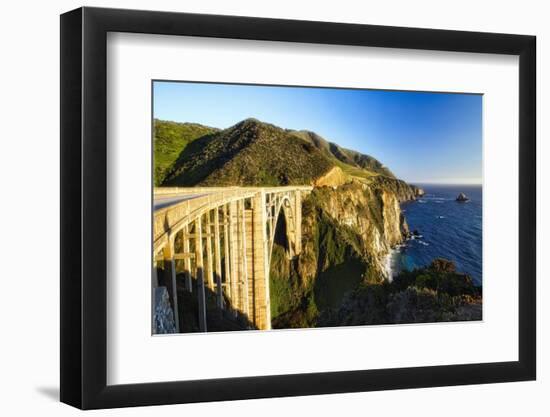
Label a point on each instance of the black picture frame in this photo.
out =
(84, 207)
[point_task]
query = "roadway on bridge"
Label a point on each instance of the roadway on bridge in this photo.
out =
(162, 202)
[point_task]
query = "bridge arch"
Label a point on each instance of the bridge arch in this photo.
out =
(227, 237)
(284, 208)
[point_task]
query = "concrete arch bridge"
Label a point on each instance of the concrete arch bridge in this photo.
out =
(221, 239)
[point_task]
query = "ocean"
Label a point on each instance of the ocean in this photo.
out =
(446, 229)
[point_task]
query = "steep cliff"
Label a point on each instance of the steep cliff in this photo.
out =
(402, 190)
(371, 213)
(347, 232)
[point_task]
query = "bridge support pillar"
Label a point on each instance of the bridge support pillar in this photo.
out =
(170, 268)
(243, 261)
(233, 255)
(226, 240)
(200, 274)
(297, 222)
(209, 260)
(187, 261)
(218, 259)
(262, 307)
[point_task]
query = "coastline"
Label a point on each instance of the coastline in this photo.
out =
(439, 227)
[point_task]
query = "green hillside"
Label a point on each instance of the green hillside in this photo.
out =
(351, 162)
(170, 139)
(254, 153)
(249, 153)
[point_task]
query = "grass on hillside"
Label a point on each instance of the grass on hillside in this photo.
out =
(170, 139)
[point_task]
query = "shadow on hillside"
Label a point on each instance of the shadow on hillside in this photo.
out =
(195, 161)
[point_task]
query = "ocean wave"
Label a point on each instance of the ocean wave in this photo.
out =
(388, 267)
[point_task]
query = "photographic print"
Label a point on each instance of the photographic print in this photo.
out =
(285, 207)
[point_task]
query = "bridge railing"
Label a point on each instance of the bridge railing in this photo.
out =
(171, 219)
(165, 192)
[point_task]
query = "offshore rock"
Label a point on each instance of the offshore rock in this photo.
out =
(163, 316)
(462, 197)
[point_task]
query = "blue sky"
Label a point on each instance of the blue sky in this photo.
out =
(421, 137)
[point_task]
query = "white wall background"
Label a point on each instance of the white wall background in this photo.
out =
(29, 175)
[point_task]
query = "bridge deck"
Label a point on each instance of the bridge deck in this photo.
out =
(161, 201)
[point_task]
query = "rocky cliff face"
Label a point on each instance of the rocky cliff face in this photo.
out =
(402, 190)
(369, 217)
(347, 231)
(163, 316)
